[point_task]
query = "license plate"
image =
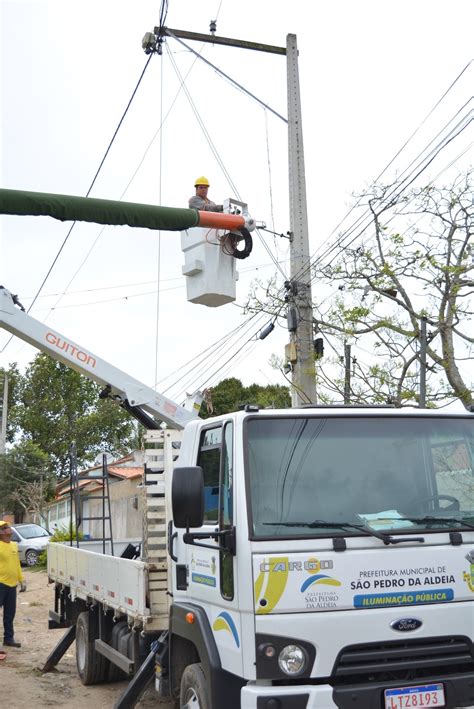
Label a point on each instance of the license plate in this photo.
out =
(428, 695)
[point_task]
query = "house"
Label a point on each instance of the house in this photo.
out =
(125, 491)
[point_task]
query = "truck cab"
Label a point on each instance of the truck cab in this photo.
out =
(324, 558)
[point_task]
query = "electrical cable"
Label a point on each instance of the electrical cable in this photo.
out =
(272, 216)
(108, 300)
(260, 316)
(227, 361)
(87, 194)
(341, 244)
(147, 149)
(229, 78)
(209, 364)
(158, 265)
(128, 295)
(343, 236)
(438, 102)
(216, 154)
(430, 157)
(94, 290)
(421, 168)
(203, 362)
(209, 140)
(192, 361)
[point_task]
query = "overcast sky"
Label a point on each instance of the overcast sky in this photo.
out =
(370, 73)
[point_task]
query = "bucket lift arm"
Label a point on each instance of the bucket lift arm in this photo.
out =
(147, 405)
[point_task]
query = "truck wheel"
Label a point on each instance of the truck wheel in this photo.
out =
(194, 692)
(91, 666)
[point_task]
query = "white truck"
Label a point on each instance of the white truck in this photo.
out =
(316, 558)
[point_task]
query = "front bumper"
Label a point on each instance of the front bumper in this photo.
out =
(302, 697)
(459, 692)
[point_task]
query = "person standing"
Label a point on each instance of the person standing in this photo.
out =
(200, 200)
(10, 576)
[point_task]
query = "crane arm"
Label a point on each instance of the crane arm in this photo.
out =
(147, 405)
(107, 211)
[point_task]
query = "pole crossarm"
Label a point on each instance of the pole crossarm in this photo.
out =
(214, 39)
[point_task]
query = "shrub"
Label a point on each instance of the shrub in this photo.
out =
(60, 534)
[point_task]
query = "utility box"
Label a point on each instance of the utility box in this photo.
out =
(209, 266)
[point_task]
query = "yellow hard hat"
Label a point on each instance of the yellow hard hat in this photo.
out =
(201, 181)
(3, 523)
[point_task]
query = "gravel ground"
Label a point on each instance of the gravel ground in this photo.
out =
(21, 681)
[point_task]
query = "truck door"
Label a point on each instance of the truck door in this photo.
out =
(211, 571)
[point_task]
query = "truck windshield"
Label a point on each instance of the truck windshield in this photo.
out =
(317, 476)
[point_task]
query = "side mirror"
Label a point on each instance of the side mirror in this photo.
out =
(187, 497)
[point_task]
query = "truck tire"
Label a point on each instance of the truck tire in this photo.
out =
(194, 693)
(91, 666)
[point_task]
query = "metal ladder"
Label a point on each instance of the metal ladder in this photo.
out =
(106, 516)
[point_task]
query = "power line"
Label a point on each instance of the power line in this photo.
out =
(95, 176)
(438, 102)
(229, 78)
(397, 188)
(394, 195)
(215, 358)
(140, 163)
(87, 194)
(110, 300)
(133, 285)
(436, 105)
(216, 154)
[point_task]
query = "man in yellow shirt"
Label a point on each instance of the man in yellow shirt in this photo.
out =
(10, 576)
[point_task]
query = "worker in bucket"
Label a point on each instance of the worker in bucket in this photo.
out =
(200, 200)
(10, 576)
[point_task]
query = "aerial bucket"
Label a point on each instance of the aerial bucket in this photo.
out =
(209, 255)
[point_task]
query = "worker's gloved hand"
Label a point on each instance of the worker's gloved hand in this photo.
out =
(22, 586)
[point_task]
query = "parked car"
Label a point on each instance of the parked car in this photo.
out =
(32, 540)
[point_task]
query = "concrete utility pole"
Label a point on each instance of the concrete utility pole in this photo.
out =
(347, 373)
(3, 430)
(300, 313)
(300, 296)
(423, 344)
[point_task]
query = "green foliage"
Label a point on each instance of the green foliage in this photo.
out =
(230, 394)
(56, 405)
(65, 534)
(356, 313)
(14, 378)
(60, 534)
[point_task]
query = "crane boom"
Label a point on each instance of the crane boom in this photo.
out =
(107, 211)
(147, 405)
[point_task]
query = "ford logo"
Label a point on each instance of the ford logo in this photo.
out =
(405, 625)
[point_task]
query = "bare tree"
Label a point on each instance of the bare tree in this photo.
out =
(31, 496)
(414, 261)
(396, 277)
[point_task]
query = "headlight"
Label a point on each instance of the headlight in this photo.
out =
(292, 660)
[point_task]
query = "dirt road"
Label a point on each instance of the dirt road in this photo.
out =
(21, 681)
